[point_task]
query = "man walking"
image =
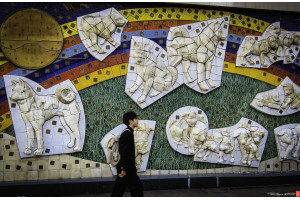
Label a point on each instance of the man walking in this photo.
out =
(126, 170)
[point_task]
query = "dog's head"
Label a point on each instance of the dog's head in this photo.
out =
(20, 91)
(296, 38)
(285, 136)
(257, 133)
(219, 31)
(273, 42)
(140, 52)
(288, 89)
(117, 18)
(274, 30)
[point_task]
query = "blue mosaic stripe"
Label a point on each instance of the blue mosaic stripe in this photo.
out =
(235, 38)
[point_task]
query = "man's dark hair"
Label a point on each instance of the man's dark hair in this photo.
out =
(129, 116)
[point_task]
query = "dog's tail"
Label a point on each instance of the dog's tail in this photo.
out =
(174, 74)
(65, 94)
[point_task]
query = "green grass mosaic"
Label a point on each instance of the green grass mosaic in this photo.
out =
(106, 102)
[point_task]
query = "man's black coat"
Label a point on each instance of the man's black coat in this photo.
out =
(127, 152)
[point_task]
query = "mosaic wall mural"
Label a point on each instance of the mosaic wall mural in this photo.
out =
(154, 59)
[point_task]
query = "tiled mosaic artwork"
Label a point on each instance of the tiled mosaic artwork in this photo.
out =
(242, 144)
(43, 120)
(284, 100)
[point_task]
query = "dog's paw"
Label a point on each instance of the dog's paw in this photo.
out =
(288, 59)
(71, 144)
(27, 151)
(132, 90)
(142, 99)
(192, 151)
(258, 158)
(211, 83)
(76, 149)
(203, 86)
(101, 51)
(38, 152)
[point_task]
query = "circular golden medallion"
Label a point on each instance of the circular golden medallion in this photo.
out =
(31, 39)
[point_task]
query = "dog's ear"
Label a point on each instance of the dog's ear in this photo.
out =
(23, 84)
(135, 44)
(147, 47)
(113, 12)
(13, 82)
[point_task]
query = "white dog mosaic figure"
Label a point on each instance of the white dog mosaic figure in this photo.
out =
(151, 72)
(199, 49)
(94, 25)
(35, 110)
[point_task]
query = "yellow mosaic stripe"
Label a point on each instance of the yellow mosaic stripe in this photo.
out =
(146, 14)
(2, 56)
(100, 76)
(253, 73)
(6, 121)
(69, 29)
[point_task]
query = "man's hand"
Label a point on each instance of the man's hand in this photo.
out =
(123, 173)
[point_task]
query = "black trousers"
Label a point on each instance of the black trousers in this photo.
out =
(130, 181)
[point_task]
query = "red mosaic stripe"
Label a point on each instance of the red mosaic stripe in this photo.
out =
(7, 68)
(71, 41)
(230, 57)
(236, 30)
(277, 71)
(4, 108)
(86, 69)
(154, 25)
